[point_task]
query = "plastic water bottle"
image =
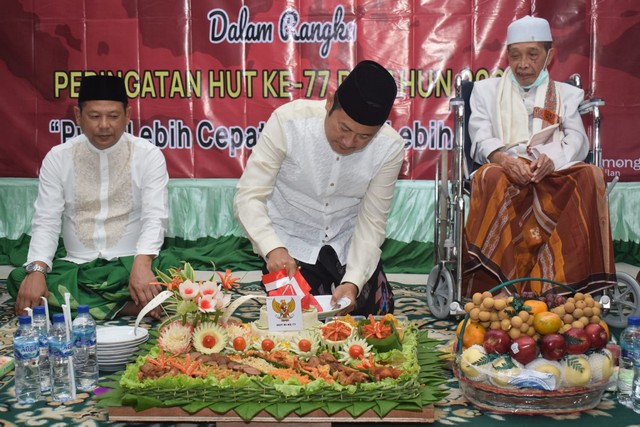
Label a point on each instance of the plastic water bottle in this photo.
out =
(60, 357)
(629, 354)
(26, 352)
(85, 356)
(41, 328)
(635, 388)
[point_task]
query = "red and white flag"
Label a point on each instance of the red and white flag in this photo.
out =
(279, 283)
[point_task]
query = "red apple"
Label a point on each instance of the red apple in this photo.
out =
(597, 336)
(523, 349)
(577, 341)
(496, 341)
(553, 346)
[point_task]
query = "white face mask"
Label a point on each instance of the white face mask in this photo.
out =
(542, 76)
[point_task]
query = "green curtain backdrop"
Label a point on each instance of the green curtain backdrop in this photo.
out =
(202, 226)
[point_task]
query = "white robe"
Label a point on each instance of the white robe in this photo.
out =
(573, 147)
(107, 203)
(296, 192)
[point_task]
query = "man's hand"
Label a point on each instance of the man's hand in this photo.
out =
(542, 167)
(518, 170)
(31, 289)
(278, 259)
(346, 289)
(139, 283)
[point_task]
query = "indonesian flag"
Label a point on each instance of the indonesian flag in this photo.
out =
(279, 283)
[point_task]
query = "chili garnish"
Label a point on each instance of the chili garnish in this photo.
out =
(377, 329)
(336, 331)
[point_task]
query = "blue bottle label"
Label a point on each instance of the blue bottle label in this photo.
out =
(44, 341)
(85, 338)
(60, 348)
(629, 353)
(26, 350)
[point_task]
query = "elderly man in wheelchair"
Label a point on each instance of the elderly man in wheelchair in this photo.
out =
(537, 209)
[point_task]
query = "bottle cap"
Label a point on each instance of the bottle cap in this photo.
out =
(39, 309)
(58, 318)
(24, 320)
(84, 308)
(633, 321)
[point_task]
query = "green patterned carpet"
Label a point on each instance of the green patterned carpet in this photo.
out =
(454, 410)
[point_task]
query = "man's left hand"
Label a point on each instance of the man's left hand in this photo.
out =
(541, 167)
(346, 289)
(140, 287)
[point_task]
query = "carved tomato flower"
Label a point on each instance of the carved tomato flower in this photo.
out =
(207, 304)
(354, 350)
(188, 290)
(306, 344)
(221, 300)
(208, 288)
(239, 337)
(209, 338)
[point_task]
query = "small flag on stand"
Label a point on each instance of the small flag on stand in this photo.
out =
(279, 283)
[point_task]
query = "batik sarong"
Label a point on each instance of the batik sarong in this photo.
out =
(101, 284)
(557, 229)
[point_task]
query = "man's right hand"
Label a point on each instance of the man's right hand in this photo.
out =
(140, 283)
(518, 170)
(278, 259)
(32, 288)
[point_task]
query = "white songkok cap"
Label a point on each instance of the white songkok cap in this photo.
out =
(529, 29)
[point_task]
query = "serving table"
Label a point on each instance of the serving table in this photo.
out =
(317, 418)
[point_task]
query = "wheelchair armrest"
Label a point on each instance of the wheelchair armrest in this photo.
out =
(589, 105)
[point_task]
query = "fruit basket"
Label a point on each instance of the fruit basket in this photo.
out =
(548, 364)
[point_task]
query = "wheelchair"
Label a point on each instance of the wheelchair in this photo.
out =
(452, 191)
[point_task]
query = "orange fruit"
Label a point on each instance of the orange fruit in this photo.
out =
(546, 323)
(536, 306)
(473, 333)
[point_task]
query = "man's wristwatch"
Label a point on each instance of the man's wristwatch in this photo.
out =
(33, 267)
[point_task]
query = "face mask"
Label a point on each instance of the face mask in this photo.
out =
(542, 76)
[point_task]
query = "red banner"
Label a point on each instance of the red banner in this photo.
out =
(205, 75)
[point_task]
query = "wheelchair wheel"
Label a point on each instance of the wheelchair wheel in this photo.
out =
(625, 301)
(439, 291)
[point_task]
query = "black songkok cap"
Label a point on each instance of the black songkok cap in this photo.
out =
(367, 94)
(102, 88)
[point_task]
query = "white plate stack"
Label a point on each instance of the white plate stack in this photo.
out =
(117, 344)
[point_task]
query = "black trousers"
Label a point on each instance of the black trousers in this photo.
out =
(376, 296)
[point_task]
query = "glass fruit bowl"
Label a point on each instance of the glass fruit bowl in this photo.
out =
(529, 401)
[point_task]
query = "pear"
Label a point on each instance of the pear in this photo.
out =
(474, 362)
(576, 370)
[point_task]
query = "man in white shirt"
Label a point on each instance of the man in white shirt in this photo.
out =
(536, 209)
(317, 189)
(106, 191)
